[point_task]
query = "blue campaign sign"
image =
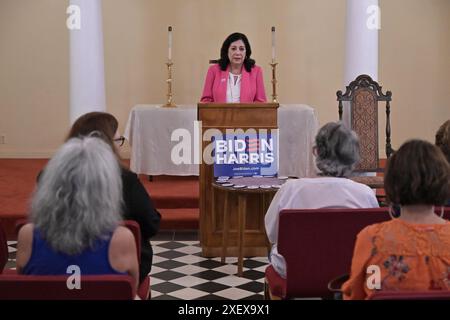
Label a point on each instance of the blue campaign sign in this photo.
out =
(246, 154)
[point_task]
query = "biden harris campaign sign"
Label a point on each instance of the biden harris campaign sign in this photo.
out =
(246, 154)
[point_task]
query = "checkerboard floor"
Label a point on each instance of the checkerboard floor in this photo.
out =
(180, 272)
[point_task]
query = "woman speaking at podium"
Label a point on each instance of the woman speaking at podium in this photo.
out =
(236, 78)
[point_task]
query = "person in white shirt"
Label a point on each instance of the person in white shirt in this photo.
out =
(337, 152)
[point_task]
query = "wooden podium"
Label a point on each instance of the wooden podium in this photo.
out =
(220, 116)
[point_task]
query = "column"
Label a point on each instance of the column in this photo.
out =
(87, 75)
(361, 43)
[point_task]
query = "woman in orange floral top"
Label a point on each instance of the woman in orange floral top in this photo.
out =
(411, 252)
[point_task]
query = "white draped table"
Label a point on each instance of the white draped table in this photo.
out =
(150, 127)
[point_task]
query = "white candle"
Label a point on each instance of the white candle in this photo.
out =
(273, 43)
(170, 44)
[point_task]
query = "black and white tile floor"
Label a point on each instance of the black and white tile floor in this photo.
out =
(180, 272)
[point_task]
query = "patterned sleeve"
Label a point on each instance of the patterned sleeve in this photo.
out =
(354, 288)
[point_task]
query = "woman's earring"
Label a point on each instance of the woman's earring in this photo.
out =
(442, 212)
(392, 212)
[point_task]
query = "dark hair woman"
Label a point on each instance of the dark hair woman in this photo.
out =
(235, 78)
(411, 252)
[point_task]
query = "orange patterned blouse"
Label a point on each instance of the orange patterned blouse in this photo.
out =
(397, 255)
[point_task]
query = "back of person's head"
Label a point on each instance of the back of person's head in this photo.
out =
(79, 196)
(101, 122)
(417, 173)
(224, 61)
(337, 150)
(443, 139)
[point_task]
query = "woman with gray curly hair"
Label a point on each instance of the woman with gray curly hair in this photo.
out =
(337, 152)
(75, 216)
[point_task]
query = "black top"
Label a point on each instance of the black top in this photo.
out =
(139, 207)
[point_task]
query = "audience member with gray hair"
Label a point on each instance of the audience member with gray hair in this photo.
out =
(337, 152)
(137, 204)
(75, 216)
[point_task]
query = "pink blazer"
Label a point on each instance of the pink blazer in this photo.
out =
(252, 85)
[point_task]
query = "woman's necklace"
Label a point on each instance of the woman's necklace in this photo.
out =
(232, 78)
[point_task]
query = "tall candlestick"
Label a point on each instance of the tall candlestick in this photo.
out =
(170, 43)
(273, 44)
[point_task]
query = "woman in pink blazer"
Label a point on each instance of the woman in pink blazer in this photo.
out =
(236, 78)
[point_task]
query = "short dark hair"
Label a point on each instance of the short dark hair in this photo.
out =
(417, 173)
(224, 61)
(443, 139)
(101, 122)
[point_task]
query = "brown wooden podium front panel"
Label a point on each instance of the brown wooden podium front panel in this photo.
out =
(246, 117)
(222, 117)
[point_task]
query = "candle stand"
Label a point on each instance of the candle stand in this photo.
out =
(169, 103)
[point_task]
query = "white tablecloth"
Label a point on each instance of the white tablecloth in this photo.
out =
(149, 129)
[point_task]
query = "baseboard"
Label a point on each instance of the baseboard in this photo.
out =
(27, 154)
(39, 154)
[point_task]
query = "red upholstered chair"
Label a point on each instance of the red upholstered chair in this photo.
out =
(411, 295)
(317, 246)
(144, 288)
(19, 224)
(98, 287)
(3, 249)
(446, 212)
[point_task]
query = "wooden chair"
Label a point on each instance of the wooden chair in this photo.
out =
(317, 246)
(93, 287)
(364, 95)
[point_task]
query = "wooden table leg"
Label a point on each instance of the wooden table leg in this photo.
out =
(264, 209)
(225, 228)
(241, 216)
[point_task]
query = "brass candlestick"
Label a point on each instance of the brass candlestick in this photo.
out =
(169, 103)
(274, 81)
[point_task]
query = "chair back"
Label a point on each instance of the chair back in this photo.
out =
(144, 291)
(133, 226)
(135, 229)
(92, 287)
(3, 249)
(363, 95)
(446, 215)
(130, 224)
(318, 246)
